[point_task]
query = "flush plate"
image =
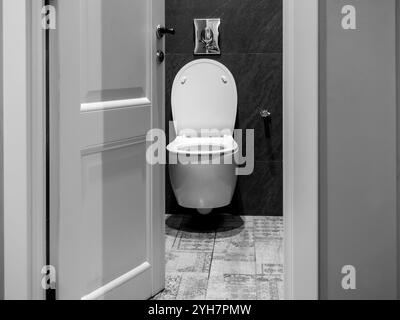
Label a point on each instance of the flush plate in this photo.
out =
(207, 36)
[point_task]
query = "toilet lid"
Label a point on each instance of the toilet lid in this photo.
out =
(204, 96)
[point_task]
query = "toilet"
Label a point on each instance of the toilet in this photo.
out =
(202, 167)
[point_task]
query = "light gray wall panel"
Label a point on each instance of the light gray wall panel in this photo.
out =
(1, 158)
(358, 150)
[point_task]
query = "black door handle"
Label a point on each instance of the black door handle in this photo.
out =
(161, 31)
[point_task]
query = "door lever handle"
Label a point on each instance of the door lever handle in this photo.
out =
(161, 31)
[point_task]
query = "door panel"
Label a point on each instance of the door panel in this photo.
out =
(110, 237)
(114, 51)
(113, 207)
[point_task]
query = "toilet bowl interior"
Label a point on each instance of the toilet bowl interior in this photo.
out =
(197, 148)
(203, 146)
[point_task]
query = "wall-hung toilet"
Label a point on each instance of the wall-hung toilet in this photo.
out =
(202, 167)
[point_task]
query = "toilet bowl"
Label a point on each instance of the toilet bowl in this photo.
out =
(202, 167)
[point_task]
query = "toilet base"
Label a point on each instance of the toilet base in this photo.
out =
(204, 212)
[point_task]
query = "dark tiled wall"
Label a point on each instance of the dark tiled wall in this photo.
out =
(251, 45)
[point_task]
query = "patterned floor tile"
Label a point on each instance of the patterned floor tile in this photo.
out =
(224, 257)
(172, 283)
(184, 286)
(193, 286)
(268, 227)
(231, 287)
(190, 241)
(169, 242)
(269, 256)
(240, 240)
(171, 233)
(233, 263)
(270, 287)
(271, 268)
(180, 262)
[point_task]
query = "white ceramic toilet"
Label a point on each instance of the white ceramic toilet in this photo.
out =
(204, 106)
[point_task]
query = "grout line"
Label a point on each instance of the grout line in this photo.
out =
(212, 255)
(255, 259)
(177, 232)
(211, 262)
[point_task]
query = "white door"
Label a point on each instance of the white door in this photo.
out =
(107, 220)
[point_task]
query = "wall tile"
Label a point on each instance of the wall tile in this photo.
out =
(260, 193)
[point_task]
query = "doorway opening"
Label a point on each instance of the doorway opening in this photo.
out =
(237, 250)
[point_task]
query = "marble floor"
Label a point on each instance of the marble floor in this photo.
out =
(223, 257)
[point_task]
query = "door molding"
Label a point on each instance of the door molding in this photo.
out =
(37, 149)
(16, 178)
(24, 218)
(300, 158)
(102, 291)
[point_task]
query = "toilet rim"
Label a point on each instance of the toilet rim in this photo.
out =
(226, 145)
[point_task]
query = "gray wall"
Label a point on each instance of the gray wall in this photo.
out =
(1, 157)
(251, 44)
(358, 150)
(397, 143)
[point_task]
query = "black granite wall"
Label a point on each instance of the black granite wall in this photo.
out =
(251, 46)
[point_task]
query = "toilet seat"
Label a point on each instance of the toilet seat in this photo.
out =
(203, 145)
(204, 97)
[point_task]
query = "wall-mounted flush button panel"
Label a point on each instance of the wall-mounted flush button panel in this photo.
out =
(206, 36)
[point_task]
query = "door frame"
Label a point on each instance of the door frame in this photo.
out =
(300, 148)
(24, 157)
(23, 154)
